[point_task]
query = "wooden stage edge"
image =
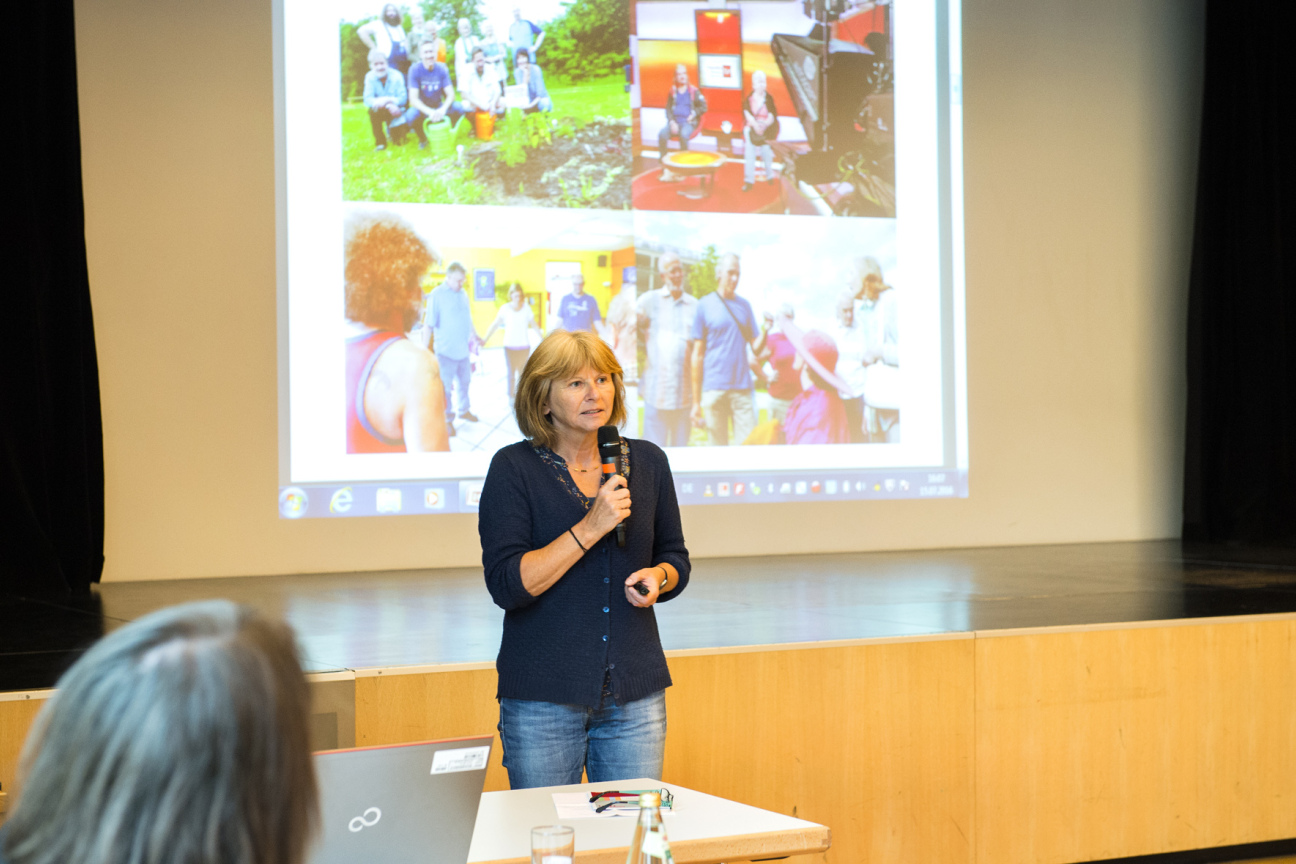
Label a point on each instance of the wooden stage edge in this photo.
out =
(1047, 745)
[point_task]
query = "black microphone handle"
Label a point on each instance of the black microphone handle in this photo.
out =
(620, 534)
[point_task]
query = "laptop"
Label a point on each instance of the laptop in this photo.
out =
(405, 803)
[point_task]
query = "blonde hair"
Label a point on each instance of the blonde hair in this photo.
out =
(560, 356)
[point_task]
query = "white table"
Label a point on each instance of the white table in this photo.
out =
(703, 829)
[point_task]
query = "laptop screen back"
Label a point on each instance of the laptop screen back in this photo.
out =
(407, 803)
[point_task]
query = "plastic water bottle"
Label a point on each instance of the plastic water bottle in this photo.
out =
(649, 845)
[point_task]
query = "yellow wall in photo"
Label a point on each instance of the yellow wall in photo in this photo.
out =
(602, 283)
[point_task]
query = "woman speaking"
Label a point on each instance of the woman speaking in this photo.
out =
(582, 675)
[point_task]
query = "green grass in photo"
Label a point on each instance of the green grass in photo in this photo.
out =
(404, 173)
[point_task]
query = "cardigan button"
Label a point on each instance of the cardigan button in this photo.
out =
(605, 637)
(605, 609)
(605, 580)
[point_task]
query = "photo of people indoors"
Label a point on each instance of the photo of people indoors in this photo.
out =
(735, 114)
(486, 102)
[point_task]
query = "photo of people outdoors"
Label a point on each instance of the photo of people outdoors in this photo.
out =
(735, 112)
(438, 328)
(504, 102)
(745, 341)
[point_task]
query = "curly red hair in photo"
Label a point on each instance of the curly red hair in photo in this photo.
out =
(385, 264)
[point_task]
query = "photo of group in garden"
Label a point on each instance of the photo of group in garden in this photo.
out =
(478, 102)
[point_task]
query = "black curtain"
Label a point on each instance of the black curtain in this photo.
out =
(1240, 469)
(51, 435)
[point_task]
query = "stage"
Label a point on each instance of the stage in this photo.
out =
(437, 617)
(1043, 704)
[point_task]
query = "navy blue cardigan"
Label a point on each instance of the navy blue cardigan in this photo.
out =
(557, 646)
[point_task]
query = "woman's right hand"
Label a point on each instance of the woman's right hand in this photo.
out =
(611, 506)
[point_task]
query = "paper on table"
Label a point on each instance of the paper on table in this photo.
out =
(576, 805)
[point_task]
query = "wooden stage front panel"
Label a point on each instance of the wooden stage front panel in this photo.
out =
(1096, 743)
(1042, 746)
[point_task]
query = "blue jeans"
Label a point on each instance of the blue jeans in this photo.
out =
(414, 117)
(546, 744)
(667, 427)
(457, 374)
(664, 136)
(750, 151)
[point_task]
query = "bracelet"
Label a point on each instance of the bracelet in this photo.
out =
(665, 578)
(580, 544)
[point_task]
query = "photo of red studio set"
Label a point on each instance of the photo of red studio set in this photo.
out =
(746, 107)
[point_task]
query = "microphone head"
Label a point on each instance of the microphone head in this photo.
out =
(609, 439)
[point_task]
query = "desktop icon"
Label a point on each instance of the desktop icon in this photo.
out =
(890, 484)
(755, 489)
(707, 493)
(342, 500)
(739, 488)
(815, 487)
(722, 490)
(434, 498)
(470, 493)
(904, 485)
(831, 487)
(388, 500)
(686, 488)
(292, 502)
(785, 489)
(800, 487)
(877, 487)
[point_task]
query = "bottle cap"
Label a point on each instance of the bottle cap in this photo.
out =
(650, 799)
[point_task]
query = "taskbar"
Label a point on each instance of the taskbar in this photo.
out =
(311, 500)
(824, 484)
(394, 498)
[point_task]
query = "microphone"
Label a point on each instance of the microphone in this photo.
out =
(609, 445)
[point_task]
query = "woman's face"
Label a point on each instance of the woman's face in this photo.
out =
(515, 297)
(581, 404)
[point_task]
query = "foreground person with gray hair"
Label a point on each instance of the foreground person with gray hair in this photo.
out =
(181, 738)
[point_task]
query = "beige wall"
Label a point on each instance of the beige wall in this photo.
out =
(1080, 145)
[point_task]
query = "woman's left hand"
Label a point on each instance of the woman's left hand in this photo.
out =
(652, 579)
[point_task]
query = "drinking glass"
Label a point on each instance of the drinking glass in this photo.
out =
(552, 844)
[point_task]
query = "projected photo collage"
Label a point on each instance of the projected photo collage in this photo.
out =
(709, 188)
(700, 115)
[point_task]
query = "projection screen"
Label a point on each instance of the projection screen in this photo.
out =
(757, 204)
